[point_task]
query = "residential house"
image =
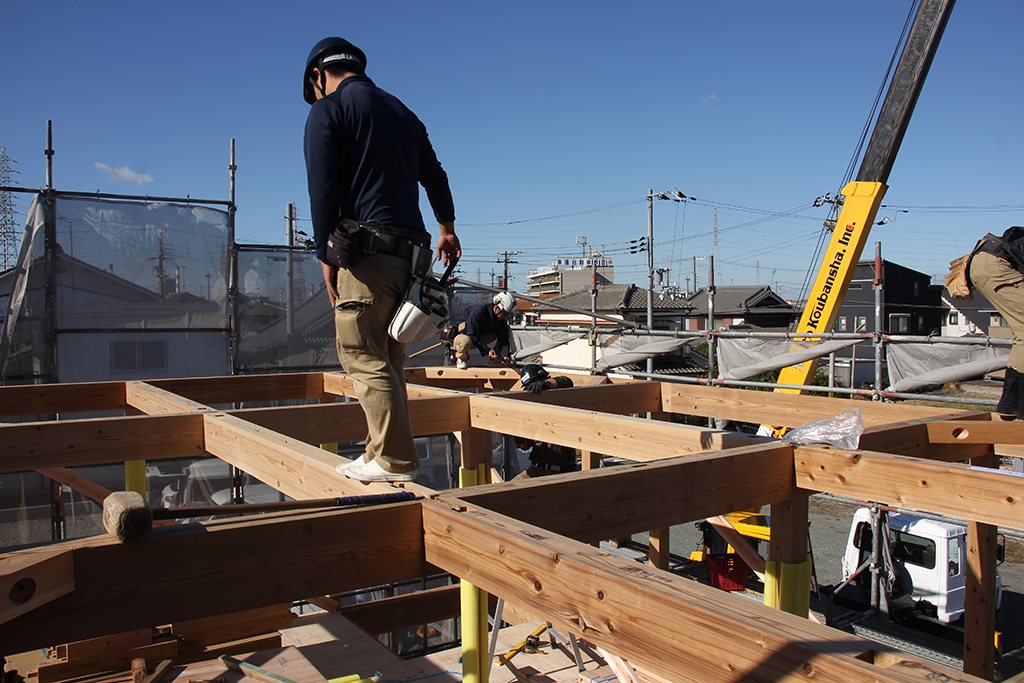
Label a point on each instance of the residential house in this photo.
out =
(911, 305)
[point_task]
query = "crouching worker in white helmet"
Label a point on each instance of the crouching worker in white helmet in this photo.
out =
(481, 325)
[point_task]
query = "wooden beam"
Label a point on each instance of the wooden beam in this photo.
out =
(913, 438)
(195, 571)
(151, 399)
(781, 410)
(953, 489)
(976, 432)
(615, 435)
(617, 399)
(48, 399)
(32, 579)
(240, 388)
(77, 483)
(291, 466)
(339, 422)
(404, 611)
(28, 446)
(612, 502)
(664, 623)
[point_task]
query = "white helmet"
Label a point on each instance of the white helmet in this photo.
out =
(505, 302)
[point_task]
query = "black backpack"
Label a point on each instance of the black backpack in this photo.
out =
(1012, 247)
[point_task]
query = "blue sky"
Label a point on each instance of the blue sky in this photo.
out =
(553, 119)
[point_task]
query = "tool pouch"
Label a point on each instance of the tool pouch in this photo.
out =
(344, 246)
(956, 279)
(424, 310)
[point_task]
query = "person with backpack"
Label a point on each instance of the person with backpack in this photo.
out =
(996, 269)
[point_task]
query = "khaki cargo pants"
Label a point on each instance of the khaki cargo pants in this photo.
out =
(462, 344)
(368, 294)
(1003, 286)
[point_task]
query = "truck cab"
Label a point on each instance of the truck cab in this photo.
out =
(929, 557)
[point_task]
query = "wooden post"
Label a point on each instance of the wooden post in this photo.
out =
(657, 554)
(787, 559)
(980, 601)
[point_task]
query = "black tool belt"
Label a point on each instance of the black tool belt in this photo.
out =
(352, 240)
(380, 239)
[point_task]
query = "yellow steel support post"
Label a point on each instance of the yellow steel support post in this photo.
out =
(788, 570)
(475, 661)
(837, 268)
(135, 476)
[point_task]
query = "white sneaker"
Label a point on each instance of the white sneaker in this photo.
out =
(340, 469)
(371, 471)
(461, 364)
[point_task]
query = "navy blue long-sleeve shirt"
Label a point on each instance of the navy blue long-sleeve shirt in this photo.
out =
(481, 319)
(366, 155)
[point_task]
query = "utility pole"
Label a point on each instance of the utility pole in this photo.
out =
(506, 257)
(8, 233)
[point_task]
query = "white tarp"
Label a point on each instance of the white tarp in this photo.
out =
(806, 353)
(916, 366)
(642, 352)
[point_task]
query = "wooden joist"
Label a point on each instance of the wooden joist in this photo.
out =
(986, 495)
(664, 623)
(615, 435)
(195, 571)
(782, 410)
(96, 441)
(612, 502)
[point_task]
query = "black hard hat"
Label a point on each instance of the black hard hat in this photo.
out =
(532, 373)
(329, 50)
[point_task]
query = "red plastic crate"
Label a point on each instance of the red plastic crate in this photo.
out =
(728, 572)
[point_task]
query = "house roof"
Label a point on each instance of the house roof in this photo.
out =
(977, 310)
(619, 298)
(743, 299)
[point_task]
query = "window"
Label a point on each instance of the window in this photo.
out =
(912, 549)
(954, 557)
(995, 320)
(917, 289)
(899, 323)
(954, 318)
(841, 325)
(920, 323)
(862, 324)
(127, 356)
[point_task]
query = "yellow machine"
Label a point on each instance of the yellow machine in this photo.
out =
(863, 196)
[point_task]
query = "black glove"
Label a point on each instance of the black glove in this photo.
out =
(562, 382)
(538, 386)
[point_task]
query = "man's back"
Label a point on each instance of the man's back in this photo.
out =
(366, 154)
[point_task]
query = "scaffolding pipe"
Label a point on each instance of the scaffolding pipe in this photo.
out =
(879, 322)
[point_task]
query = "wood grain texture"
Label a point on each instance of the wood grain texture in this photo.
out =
(670, 625)
(196, 571)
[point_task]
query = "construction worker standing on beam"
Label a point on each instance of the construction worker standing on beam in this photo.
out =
(479, 326)
(366, 155)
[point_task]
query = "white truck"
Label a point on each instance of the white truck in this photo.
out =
(928, 562)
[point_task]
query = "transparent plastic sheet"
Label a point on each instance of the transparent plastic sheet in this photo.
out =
(842, 431)
(284, 317)
(124, 264)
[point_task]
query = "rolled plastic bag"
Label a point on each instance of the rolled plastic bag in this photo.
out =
(842, 431)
